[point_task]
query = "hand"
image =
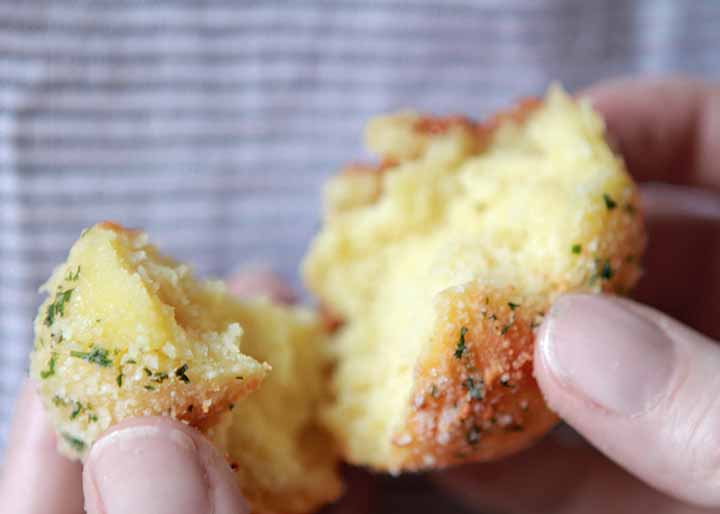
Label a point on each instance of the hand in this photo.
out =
(641, 387)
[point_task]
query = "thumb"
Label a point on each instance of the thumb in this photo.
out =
(158, 466)
(641, 387)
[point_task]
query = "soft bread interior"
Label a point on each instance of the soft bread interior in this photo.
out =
(284, 459)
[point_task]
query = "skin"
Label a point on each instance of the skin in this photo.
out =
(652, 443)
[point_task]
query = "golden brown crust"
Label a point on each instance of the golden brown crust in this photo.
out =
(436, 126)
(474, 396)
(202, 406)
(116, 227)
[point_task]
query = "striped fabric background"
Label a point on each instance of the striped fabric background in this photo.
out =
(212, 124)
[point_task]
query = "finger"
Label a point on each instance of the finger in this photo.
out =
(666, 129)
(681, 277)
(36, 478)
(639, 386)
(555, 478)
(258, 282)
(158, 466)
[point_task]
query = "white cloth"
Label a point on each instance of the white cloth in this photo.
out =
(213, 124)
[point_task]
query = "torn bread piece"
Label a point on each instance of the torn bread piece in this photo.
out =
(126, 331)
(439, 264)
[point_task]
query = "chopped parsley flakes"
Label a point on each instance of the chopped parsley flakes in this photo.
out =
(473, 435)
(50, 371)
(606, 273)
(180, 373)
(57, 308)
(476, 390)
(76, 410)
(158, 376)
(96, 355)
(119, 379)
(576, 249)
(513, 306)
(72, 277)
(434, 391)
(609, 202)
(460, 348)
(505, 329)
(76, 444)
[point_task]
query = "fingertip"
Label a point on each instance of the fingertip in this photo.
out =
(35, 474)
(639, 386)
(158, 465)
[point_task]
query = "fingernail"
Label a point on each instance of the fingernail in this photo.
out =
(147, 469)
(607, 353)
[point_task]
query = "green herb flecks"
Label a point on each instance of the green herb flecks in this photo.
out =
(576, 249)
(460, 348)
(76, 410)
(96, 355)
(180, 373)
(476, 390)
(434, 391)
(149, 387)
(513, 306)
(119, 380)
(606, 273)
(609, 202)
(57, 307)
(157, 376)
(504, 330)
(72, 277)
(473, 435)
(50, 371)
(76, 444)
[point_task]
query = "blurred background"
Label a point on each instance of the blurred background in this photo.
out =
(212, 125)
